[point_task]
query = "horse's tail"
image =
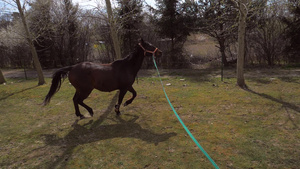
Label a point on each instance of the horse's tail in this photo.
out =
(56, 82)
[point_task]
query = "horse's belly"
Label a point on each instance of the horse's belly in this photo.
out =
(104, 87)
(107, 79)
(106, 84)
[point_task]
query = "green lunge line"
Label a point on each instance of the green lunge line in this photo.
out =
(184, 126)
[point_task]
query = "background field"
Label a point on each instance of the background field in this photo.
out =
(255, 128)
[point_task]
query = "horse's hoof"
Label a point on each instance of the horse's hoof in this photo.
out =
(82, 117)
(125, 104)
(118, 113)
(92, 114)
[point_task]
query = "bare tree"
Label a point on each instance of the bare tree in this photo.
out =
(218, 19)
(113, 31)
(243, 11)
(2, 79)
(265, 33)
(32, 48)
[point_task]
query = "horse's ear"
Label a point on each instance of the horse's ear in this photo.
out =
(141, 41)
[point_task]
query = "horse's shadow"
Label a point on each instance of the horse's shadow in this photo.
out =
(81, 134)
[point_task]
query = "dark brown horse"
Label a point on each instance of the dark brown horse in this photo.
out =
(118, 75)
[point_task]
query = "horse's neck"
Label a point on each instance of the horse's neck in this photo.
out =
(136, 61)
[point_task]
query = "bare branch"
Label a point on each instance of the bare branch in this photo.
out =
(10, 3)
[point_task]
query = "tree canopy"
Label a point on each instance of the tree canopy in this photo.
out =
(65, 33)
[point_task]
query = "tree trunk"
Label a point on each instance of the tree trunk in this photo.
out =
(32, 48)
(222, 51)
(241, 44)
(113, 31)
(2, 79)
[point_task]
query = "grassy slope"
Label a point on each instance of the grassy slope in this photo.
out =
(239, 129)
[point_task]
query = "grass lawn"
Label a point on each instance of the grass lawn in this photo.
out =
(257, 128)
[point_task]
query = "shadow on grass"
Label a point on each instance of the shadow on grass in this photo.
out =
(81, 135)
(284, 104)
(18, 92)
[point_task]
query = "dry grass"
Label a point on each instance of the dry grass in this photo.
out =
(202, 50)
(258, 128)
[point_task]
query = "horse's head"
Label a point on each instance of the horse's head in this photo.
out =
(149, 49)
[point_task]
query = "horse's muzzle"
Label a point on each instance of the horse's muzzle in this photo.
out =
(158, 53)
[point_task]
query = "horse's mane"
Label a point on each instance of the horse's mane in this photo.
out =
(129, 57)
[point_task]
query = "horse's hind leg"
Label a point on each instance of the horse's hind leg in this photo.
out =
(75, 101)
(89, 109)
(78, 99)
(121, 96)
(131, 89)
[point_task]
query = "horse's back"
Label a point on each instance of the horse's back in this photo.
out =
(88, 75)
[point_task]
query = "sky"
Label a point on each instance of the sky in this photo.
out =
(88, 4)
(5, 7)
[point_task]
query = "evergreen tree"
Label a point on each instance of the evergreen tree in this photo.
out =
(71, 33)
(130, 16)
(171, 23)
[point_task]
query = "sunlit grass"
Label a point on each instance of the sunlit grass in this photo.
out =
(258, 128)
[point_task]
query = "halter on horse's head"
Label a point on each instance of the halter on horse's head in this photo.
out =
(146, 48)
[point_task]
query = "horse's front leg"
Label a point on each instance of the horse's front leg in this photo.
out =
(131, 89)
(121, 96)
